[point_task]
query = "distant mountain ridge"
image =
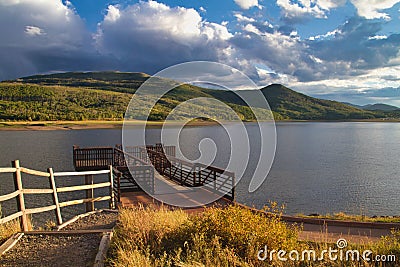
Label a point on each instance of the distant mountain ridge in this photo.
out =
(374, 107)
(93, 95)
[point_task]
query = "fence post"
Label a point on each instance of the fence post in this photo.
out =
(111, 177)
(89, 193)
(55, 195)
(20, 199)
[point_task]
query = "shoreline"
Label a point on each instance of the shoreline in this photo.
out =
(84, 125)
(104, 124)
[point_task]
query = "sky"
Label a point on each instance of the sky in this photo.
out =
(344, 50)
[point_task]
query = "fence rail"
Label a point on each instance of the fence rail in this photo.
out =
(20, 192)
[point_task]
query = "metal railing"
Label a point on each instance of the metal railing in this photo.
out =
(93, 158)
(194, 174)
(135, 163)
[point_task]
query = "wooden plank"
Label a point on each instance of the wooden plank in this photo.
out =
(69, 232)
(9, 196)
(20, 200)
(89, 192)
(41, 209)
(103, 248)
(10, 243)
(81, 201)
(82, 187)
(10, 217)
(7, 170)
(37, 191)
(59, 227)
(55, 195)
(111, 191)
(57, 174)
(34, 172)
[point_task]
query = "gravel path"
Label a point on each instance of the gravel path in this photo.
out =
(102, 220)
(61, 250)
(53, 250)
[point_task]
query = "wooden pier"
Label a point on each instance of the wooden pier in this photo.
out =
(156, 170)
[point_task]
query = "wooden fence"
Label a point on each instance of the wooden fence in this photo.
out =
(20, 192)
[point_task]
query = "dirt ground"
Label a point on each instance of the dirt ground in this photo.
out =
(61, 250)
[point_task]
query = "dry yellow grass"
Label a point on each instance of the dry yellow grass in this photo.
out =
(219, 237)
(8, 229)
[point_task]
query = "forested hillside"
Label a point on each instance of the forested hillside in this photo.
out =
(105, 95)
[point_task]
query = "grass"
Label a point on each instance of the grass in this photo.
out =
(358, 218)
(11, 227)
(8, 229)
(217, 237)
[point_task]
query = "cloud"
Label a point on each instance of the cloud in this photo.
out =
(389, 95)
(34, 31)
(366, 88)
(296, 11)
(241, 18)
(247, 4)
(149, 36)
(358, 43)
(39, 36)
(372, 8)
(46, 35)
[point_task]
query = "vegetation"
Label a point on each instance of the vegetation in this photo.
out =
(217, 237)
(358, 218)
(25, 102)
(11, 227)
(8, 229)
(105, 95)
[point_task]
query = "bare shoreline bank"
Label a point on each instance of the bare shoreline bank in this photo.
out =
(85, 125)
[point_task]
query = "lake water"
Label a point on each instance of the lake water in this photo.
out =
(318, 168)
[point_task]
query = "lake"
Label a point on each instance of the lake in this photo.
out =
(319, 167)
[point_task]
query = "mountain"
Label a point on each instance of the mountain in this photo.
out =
(291, 105)
(105, 95)
(375, 107)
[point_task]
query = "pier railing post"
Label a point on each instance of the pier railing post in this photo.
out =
(89, 193)
(20, 198)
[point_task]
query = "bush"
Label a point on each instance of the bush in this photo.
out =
(217, 237)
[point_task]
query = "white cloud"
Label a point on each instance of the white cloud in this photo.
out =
(326, 35)
(251, 28)
(372, 9)
(293, 10)
(241, 18)
(371, 80)
(113, 13)
(247, 4)
(34, 31)
(148, 36)
(377, 37)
